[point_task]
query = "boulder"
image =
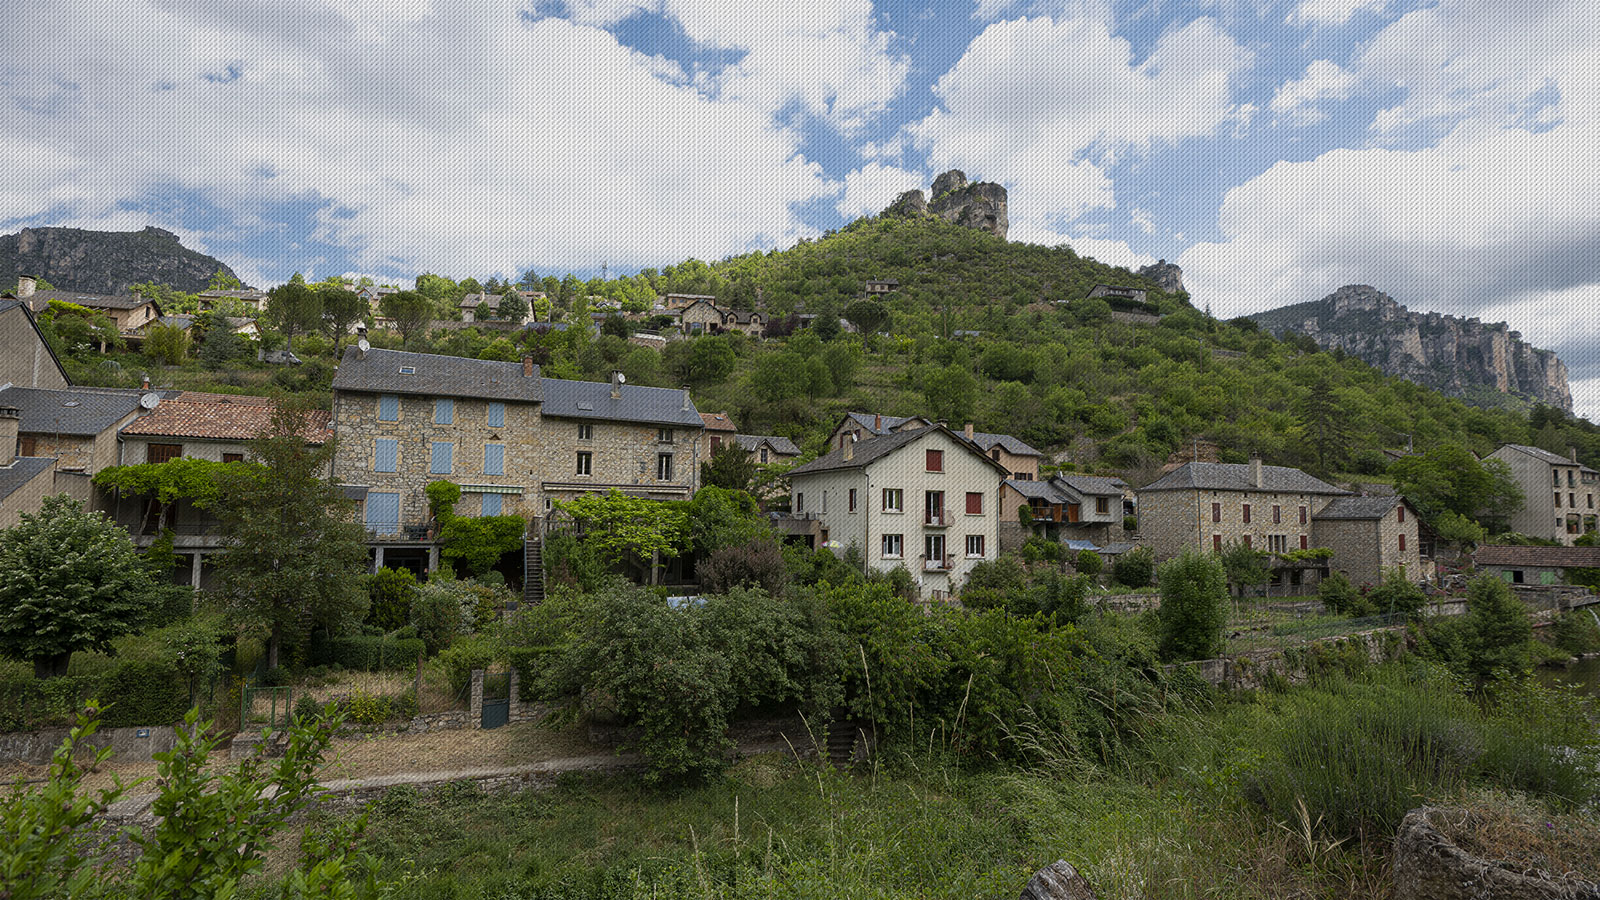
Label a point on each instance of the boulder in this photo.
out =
(1058, 881)
(1428, 866)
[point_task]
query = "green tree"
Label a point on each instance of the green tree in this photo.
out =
(1325, 424)
(219, 344)
(1134, 568)
(729, 467)
(622, 527)
(718, 517)
(1498, 631)
(167, 344)
(292, 309)
(390, 593)
(1396, 594)
(69, 580)
(710, 360)
(1245, 566)
(868, 316)
(1450, 478)
(950, 393)
(223, 280)
(408, 310)
(292, 548)
(341, 308)
(1089, 562)
(1193, 606)
(513, 307)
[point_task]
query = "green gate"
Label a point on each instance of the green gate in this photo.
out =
(266, 706)
(496, 700)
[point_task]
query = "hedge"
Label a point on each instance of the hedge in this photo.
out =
(368, 653)
(135, 692)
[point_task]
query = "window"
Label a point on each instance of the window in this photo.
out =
(444, 411)
(585, 432)
(1246, 519)
(852, 499)
(716, 443)
(160, 453)
(585, 462)
(1555, 477)
(933, 551)
(1402, 543)
(1558, 501)
(799, 504)
(1590, 498)
(497, 415)
(493, 504)
(443, 458)
(1277, 514)
(1277, 543)
(1569, 478)
(1216, 512)
(232, 457)
(383, 512)
(933, 507)
(1247, 540)
(384, 454)
(935, 461)
(27, 446)
(1302, 515)
(494, 459)
(763, 454)
(1303, 542)
(1401, 510)
(1216, 543)
(1102, 505)
(995, 454)
(664, 435)
(894, 500)
(663, 466)
(894, 546)
(1022, 476)
(974, 503)
(974, 546)
(1572, 501)
(388, 408)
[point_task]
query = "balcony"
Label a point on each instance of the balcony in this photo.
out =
(935, 518)
(937, 564)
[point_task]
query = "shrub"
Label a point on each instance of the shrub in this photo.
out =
(436, 614)
(754, 564)
(1498, 631)
(1042, 549)
(1089, 562)
(390, 591)
(459, 659)
(1194, 591)
(1134, 568)
(1576, 632)
(372, 653)
(1340, 597)
(1396, 594)
(143, 692)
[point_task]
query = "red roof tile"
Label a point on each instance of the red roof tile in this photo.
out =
(221, 417)
(717, 422)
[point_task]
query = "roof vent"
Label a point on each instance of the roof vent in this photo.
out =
(585, 405)
(408, 370)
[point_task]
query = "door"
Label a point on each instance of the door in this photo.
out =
(496, 700)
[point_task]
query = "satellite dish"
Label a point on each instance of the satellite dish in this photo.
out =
(363, 345)
(621, 378)
(150, 400)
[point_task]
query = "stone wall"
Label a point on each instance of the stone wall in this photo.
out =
(27, 361)
(138, 742)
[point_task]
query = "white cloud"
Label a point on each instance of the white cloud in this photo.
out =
(1297, 100)
(828, 56)
(1046, 106)
(1110, 252)
(548, 142)
(872, 187)
(1333, 12)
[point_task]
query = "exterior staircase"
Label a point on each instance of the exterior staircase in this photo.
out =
(532, 571)
(848, 744)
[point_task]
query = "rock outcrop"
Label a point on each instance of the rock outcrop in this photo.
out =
(1428, 866)
(1058, 881)
(1166, 276)
(1478, 362)
(105, 262)
(976, 204)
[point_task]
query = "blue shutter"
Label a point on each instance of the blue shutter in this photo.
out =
(384, 458)
(443, 451)
(444, 411)
(492, 504)
(388, 408)
(497, 415)
(494, 459)
(383, 512)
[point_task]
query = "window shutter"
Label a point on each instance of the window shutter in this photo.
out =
(935, 460)
(494, 459)
(497, 415)
(443, 451)
(388, 408)
(974, 503)
(385, 454)
(492, 504)
(444, 411)
(383, 512)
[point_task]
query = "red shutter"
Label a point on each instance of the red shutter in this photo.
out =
(974, 503)
(1302, 542)
(1247, 514)
(1402, 543)
(1402, 511)
(1216, 512)
(1216, 542)
(1247, 540)
(935, 460)
(1302, 515)
(1277, 514)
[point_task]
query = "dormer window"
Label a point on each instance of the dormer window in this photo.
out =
(408, 370)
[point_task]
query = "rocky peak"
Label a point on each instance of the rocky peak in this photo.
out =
(1461, 357)
(1166, 276)
(974, 204)
(105, 262)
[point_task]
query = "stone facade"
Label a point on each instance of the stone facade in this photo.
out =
(1558, 494)
(622, 455)
(1171, 521)
(27, 360)
(1365, 548)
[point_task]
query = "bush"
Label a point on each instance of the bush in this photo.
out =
(391, 591)
(1397, 595)
(1042, 549)
(1134, 568)
(372, 653)
(459, 659)
(1498, 631)
(1194, 595)
(754, 564)
(1340, 597)
(1576, 632)
(436, 614)
(1089, 562)
(142, 692)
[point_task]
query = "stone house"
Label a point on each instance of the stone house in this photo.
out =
(486, 306)
(1207, 506)
(719, 430)
(881, 287)
(1534, 565)
(1113, 293)
(1082, 508)
(1021, 460)
(863, 426)
(684, 301)
(924, 499)
(24, 481)
(129, 312)
(77, 427)
(27, 360)
(595, 437)
(247, 297)
(704, 317)
(768, 448)
(1369, 536)
(1558, 493)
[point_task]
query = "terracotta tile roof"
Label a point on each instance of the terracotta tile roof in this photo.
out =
(717, 421)
(194, 414)
(1541, 557)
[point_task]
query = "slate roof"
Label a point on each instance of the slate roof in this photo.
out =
(21, 471)
(781, 445)
(718, 422)
(592, 400)
(1040, 490)
(378, 372)
(192, 414)
(179, 321)
(1011, 445)
(77, 412)
(1544, 557)
(41, 299)
(1094, 485)
(890, 423)
(1539, 453)
(1236, 477)
(875, 448)
(1359, 507)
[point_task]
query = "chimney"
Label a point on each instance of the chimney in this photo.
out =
(1572, 453)
(527, 367)
(968, 431)
(1255, 472)
(145, 383)
(26, 285)
(687, 403)
(616, 385)
(10, 419)
(849, 447)
(877, 423)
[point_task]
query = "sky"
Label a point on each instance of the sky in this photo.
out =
(1445, 152)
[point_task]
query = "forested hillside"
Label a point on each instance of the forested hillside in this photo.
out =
(981, 330)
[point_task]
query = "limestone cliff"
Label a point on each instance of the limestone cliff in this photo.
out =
(104, 262)
(1166, 276)
(1464, 358)
(977, 204)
